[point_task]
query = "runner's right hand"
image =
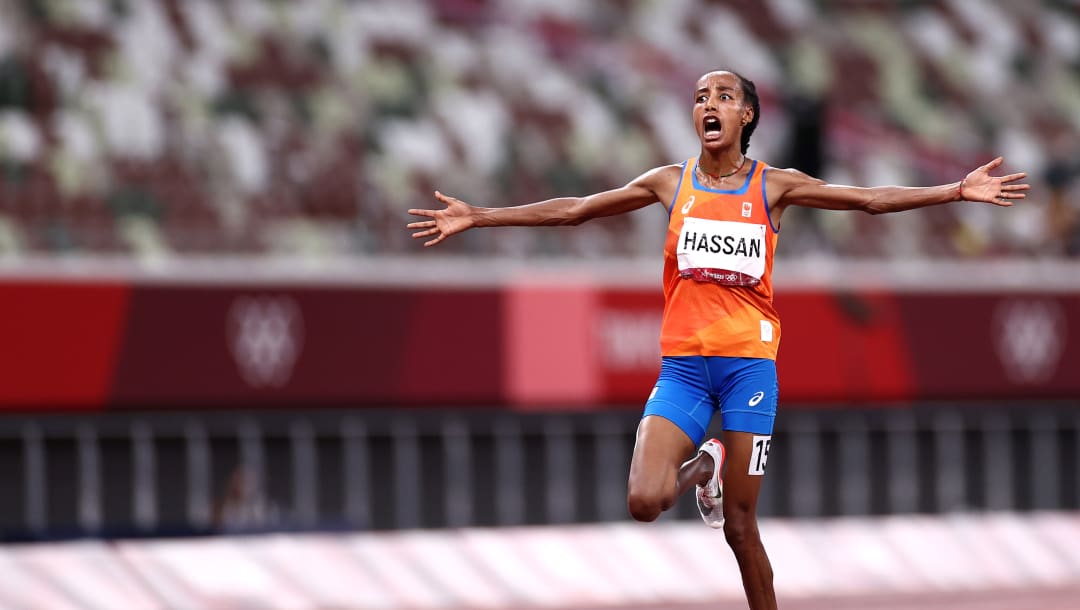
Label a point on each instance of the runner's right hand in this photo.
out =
(455, 218)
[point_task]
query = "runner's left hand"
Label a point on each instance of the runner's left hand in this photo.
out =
(979, 185)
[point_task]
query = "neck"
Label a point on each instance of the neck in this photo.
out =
(721, 164)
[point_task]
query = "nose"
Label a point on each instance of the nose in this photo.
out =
(710, 103)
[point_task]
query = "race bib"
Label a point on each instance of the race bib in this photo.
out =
(721, 251)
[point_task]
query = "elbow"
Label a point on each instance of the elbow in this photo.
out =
(874, 207)
(574, 216)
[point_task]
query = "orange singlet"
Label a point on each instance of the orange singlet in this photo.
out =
(718, 258)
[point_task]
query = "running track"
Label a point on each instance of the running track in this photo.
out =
(1041, 599)
(1002, 561)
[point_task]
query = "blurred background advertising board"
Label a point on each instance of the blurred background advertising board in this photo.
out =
(486, 334)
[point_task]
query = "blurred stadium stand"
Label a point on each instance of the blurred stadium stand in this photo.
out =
(167, 128)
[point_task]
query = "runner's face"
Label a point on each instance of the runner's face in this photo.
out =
(719, 113)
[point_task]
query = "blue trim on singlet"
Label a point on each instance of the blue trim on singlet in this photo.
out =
(765, 198)
(740, 191)
(682, 172)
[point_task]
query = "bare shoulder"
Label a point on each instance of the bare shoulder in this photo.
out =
(657, 176)
(786, 178)
(660, 181)
(781, 183)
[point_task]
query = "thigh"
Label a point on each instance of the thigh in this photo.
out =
(748, 394)
(660, 448)
(683, 397)
(674, 422)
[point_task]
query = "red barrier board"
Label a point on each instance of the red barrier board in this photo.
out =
(190, 345)
(627, 327)
(844, 347)
(1021, 346)
(59, 342)
(282, 345)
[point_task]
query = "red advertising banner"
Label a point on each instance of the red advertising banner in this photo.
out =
(1022, 345)
(844, 347)
(281, 345)
(79, 344)
(59, 342)
(627, 327)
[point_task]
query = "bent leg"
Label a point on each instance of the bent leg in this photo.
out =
(676, 417)
(655, 481)
(741, 490)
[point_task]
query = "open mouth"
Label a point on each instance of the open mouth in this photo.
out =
(712, 127)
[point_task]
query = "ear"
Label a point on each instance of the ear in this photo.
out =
(748, 115)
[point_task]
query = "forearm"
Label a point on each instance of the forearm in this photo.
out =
(788, 187)
(886, 199)
(561, 211)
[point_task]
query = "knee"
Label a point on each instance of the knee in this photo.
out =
(740, 531)
(646, 506)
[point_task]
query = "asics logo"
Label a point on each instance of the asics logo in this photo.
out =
(756, 398)
(689, 203)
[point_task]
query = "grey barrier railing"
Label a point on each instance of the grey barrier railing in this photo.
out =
(133, 474)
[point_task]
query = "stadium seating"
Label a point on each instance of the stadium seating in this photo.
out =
(165, 128)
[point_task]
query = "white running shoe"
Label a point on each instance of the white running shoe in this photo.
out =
(710, 496)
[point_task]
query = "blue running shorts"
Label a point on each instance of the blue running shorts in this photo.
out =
(692, 388)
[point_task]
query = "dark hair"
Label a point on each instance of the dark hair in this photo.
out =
(749, 97)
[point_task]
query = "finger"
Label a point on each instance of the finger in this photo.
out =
(1015, 187)
(1012, 196)
(448, 200)
(416, 212)
(435, 241)
(427, 233)
(996, 162)
(1012, 177)
(426, 224)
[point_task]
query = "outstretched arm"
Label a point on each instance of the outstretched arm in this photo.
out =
(655, 185)
(791, 187)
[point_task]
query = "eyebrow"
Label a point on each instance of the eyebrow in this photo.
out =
(706, 89)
